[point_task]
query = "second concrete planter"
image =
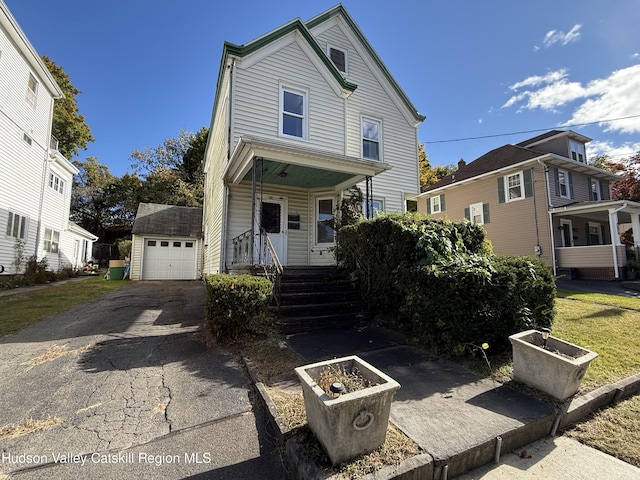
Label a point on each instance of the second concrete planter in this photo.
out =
(353, 423)
(556, 368)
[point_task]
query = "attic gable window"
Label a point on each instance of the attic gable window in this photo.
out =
(293, 113)
(339, 58)
(577, 151)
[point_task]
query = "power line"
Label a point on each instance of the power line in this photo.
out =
(530, 131)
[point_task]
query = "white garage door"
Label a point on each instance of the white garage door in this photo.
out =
(173, 259)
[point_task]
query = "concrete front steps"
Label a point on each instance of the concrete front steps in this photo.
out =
(316, 298)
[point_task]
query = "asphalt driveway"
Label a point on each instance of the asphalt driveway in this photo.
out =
(123, 387)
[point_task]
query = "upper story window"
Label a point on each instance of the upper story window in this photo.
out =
(293, 113)
(339, 58)
(32, 91)
(577, 151)
(17, 226)
(514, 187)
(371, 130)
(27, 139)
(564, 190)
(56, 183)
(595, 189)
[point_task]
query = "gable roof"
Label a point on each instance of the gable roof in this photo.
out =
(531, 142)
(168, 220)
(297, 25)
(496, 159)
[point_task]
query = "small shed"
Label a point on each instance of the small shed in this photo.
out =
(167, 243)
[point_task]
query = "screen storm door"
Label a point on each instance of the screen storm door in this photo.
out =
(271, 215)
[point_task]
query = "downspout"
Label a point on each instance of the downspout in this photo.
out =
(225, 193)
(549, 206)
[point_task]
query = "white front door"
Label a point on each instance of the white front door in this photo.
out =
(271, 215)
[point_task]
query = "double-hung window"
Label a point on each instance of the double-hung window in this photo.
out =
(17, 226)
(514, 186)
(376, 206)
(436, 207)
(51, 240)
(577, 151)
(595, 189)
(476, 212)
(324, 233)
(56, 183)
(32, 90)
(563, 184)
(371, 134)
(293, 113)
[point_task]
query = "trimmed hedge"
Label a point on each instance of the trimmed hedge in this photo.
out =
(233, 302)
(442, 284)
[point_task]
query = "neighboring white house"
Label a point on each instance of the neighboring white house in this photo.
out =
(35, 179)
(301, 114)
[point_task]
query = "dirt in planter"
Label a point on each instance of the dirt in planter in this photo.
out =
(352, 380)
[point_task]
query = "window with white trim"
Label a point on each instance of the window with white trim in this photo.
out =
(514, 186)
(563, 184)
(324, 233)
(436, 206)
(371, 133)
(595, 189)
(17, 226)
(595, 233)
(476, 213)
(51, 240)
(339, 58)
(577, 151)
(376, 206)
(32, 90)
(56, 183)
(293, 113)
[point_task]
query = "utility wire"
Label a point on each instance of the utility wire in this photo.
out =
(529, 131)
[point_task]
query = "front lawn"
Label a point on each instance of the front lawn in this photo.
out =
(21, 309)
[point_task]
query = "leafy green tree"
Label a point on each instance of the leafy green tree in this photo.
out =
(428, 174)
(69, 126)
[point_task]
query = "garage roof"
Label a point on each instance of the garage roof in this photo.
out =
(168, 220)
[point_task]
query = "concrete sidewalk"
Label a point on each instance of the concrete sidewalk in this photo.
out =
(456, 416)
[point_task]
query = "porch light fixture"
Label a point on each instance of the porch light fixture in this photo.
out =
(545, 332)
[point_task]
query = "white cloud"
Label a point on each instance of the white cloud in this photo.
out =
(609, 98)
(635, 55)
(614, 152)
(558, 36)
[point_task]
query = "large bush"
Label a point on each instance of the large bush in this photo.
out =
(440, 282)
(234, 302)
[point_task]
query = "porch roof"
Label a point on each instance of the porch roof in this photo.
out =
(599, 210)
(295, 166)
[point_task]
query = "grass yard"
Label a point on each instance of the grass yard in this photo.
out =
(24, 308)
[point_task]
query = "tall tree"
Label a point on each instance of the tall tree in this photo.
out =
(91, 205)
(69, 126)
(428, 174)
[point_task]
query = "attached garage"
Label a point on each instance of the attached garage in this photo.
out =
(167, 243)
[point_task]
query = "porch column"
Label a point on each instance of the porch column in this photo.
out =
(615, 239)
(635, 228)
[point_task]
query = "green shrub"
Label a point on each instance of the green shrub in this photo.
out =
(234, 302)
(36, 271)
(441, 284)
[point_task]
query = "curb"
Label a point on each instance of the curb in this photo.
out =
(424, 466)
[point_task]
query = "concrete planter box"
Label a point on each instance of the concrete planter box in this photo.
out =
(354, 423)
(557, 369)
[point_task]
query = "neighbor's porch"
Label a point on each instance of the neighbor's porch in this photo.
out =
(281, 202)
(586, 239)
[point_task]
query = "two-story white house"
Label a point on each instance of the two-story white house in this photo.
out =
(301, 114)
(35, 179)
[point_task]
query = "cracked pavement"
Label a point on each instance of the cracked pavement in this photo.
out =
(129, 374)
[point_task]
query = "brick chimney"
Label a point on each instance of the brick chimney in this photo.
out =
(461, 163)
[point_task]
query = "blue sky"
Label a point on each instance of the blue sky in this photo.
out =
(147, 68)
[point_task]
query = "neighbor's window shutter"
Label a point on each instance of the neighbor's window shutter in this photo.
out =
(428, 206)
(485, 212)
(556, 177)
(442, 202)
(604, 191)
(528, 183)
(501, 198)
(467, 213)
(590, 190)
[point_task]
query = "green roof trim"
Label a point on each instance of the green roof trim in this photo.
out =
(340, 10)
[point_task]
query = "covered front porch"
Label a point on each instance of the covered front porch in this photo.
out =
(586, 239)
(282, 200)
